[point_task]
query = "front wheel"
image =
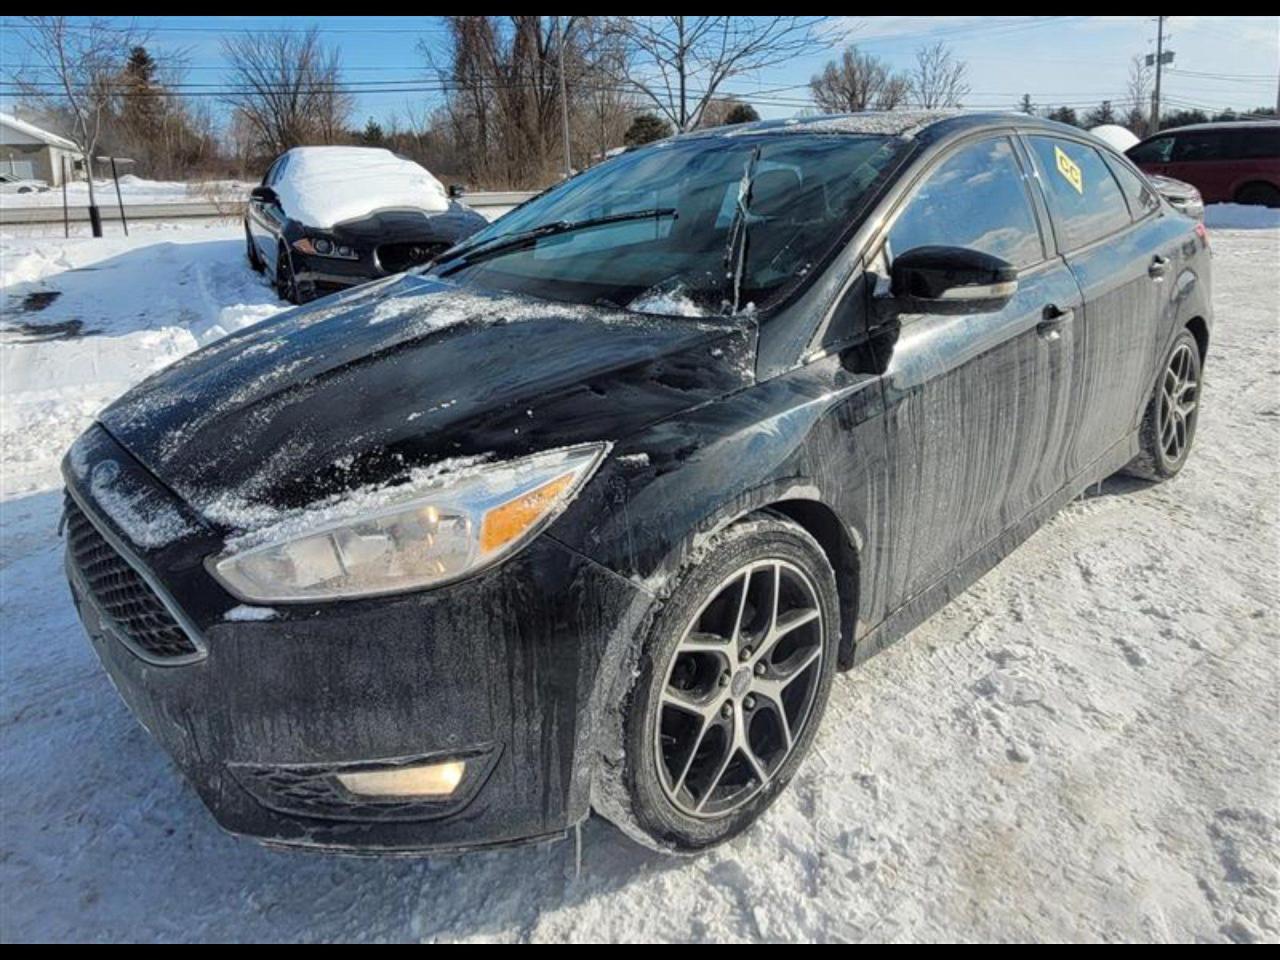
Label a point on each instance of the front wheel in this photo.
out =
(734, 678)
(286, 283)
(1169, 425)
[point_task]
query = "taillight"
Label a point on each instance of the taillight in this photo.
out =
(1202, 233)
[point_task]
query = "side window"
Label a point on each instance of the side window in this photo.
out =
(1158, 150)
(1201, 147)
(977, 199)
(1142, 199)
(1084, 198)
(268, 177)
(1259, 144)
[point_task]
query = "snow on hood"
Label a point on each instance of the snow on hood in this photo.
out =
(325, 186)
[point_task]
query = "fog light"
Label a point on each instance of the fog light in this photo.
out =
(428, 780)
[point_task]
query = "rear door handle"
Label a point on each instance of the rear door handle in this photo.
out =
(1158, 268)
(1053, 317)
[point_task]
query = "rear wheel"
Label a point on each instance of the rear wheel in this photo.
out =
(734, 678)
(251, 251)
(1169, 426)
(1259, 194)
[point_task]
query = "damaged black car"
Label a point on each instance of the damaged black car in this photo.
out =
(587, 515)
(327, 218)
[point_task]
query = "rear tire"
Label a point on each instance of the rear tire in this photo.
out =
(1259, 194)
(1169, 425)
(734, 675)
(251, 251)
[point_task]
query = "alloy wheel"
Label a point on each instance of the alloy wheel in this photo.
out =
(1179, 402)
(739, 688)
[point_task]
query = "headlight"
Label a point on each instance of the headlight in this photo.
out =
(324, 247)
(420, 535)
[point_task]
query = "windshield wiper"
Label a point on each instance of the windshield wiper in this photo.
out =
(529, 238)
(735, 254)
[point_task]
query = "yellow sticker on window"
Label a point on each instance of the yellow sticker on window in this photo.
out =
(1069, 170)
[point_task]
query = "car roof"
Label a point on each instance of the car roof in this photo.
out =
(908, 124)
(1221, 125)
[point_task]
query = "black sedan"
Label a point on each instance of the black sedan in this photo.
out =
(588, 515)
(326, 218)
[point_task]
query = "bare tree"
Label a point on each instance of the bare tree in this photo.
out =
(288, 88)
(83, 61)
(939, 80)
(680, 63)
(858, 81)
(1139, 98)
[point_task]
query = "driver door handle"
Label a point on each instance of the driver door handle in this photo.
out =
(1158, 268)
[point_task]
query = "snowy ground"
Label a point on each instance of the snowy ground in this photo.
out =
(1082, 747)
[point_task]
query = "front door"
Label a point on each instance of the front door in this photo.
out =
(977, 405)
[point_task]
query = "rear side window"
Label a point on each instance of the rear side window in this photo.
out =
(1142, 199)
(1202, 146)
(977, 199)
(1158, 150)
(1259, 144)
(1084, 198)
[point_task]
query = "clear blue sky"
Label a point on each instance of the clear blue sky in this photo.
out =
(1078, 60)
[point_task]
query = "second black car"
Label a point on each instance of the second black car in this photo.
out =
(325, 218)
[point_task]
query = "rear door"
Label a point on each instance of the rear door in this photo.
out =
(1207, 160)
(1125, 262)
(976, 404)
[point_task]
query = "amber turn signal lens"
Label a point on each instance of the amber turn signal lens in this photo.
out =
(430, 780)
(507, 522)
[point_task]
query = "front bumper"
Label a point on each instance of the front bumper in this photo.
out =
(500, 670)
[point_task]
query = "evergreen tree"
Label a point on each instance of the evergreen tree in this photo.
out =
(646, 128)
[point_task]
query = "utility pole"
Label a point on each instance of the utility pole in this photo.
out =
(564, 101)
(1155, 97)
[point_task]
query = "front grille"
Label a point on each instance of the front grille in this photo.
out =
(396, 257)
(122, 594)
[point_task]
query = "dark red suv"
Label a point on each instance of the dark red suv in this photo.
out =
(1226, 162)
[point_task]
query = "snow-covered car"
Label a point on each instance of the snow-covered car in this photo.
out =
(11, 183)
(326, 218)
(587, 515)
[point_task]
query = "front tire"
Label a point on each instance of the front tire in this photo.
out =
(734, 677)
(1169, 425)
(286, 284)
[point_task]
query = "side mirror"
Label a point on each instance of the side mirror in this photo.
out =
(264, 195)
(456, 191)
(953, 276)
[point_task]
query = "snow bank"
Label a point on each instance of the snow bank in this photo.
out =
(133, 190)
(120, 309)
(324, 186)
(1236, 216)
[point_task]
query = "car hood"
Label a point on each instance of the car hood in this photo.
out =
(362, 387)
(398, 226)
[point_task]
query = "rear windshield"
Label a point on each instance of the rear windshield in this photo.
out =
(737, 222)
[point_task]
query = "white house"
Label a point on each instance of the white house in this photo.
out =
(29, 152)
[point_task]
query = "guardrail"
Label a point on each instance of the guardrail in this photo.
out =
(182, 209)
